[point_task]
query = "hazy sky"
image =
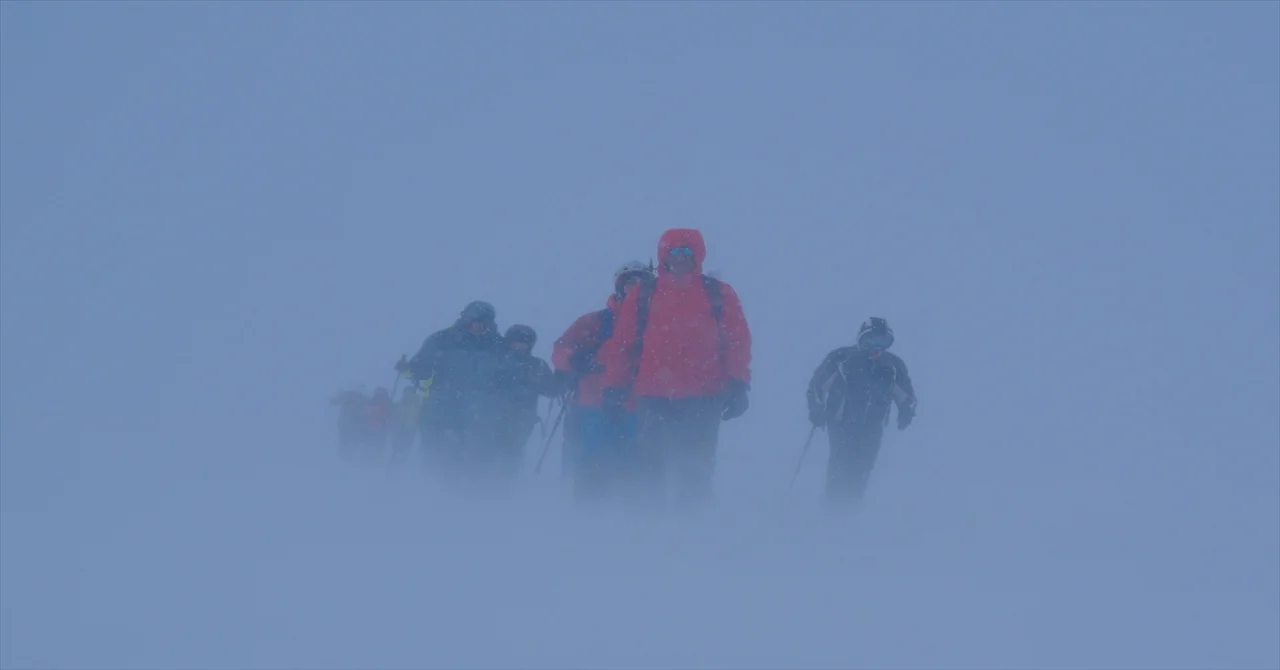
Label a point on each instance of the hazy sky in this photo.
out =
(213, 215)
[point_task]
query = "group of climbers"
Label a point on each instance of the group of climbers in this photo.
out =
(645, 383)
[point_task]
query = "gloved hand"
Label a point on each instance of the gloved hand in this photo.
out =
(817, 415)
(737, 402)
(566, 382)
(905, 416)
(614, 403)
(402, 364)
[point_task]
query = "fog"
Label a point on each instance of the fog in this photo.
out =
(214, 216)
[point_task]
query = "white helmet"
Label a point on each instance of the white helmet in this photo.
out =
(645, 270)
(630, 267)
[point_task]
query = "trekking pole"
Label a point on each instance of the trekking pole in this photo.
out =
(547, 445)
(804, 452)
(550, 406)
(542, 421)
(395, 386)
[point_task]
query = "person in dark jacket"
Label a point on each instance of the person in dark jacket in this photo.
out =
(460, 363)
(850, 394)
(521, 379)
(682, 347)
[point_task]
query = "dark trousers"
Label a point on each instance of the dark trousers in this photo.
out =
(441, 430)
(505, 456)
(480, 455)
(854, 449)
(676, 449)
(455, 434)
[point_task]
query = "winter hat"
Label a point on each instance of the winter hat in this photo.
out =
(521, 333)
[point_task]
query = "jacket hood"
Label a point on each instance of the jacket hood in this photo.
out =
(682, 237)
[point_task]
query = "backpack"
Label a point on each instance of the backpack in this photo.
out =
(712, 287)
(585, 357)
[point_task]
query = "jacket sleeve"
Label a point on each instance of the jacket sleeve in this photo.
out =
(423, 364)
(545, 380)
(737, 336)
(508, 373)
(904, 392)
(820, 384)
(578, 335)
(616, 352)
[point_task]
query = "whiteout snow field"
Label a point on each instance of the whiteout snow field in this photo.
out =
(212, 216)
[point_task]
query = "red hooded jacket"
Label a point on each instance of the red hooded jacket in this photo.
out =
(585, 333)
(686, 353)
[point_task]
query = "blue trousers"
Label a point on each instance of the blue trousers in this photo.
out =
(606, 453)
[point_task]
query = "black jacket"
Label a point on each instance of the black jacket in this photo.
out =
(521, 378)
(853, 386)
(460, 364)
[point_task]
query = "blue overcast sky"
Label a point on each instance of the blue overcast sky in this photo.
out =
(213, 215)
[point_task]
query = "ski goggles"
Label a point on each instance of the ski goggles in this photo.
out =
(875, 340)
(681, 251)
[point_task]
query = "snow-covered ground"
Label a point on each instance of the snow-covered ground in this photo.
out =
(238, 564)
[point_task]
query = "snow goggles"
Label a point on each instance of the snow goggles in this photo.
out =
(875, 340)
(680, 251)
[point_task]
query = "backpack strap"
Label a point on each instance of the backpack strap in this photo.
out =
(643, 301)
(605, 316)
(712, 285)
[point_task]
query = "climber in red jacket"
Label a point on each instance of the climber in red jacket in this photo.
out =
(596, 446)
(681, 346)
